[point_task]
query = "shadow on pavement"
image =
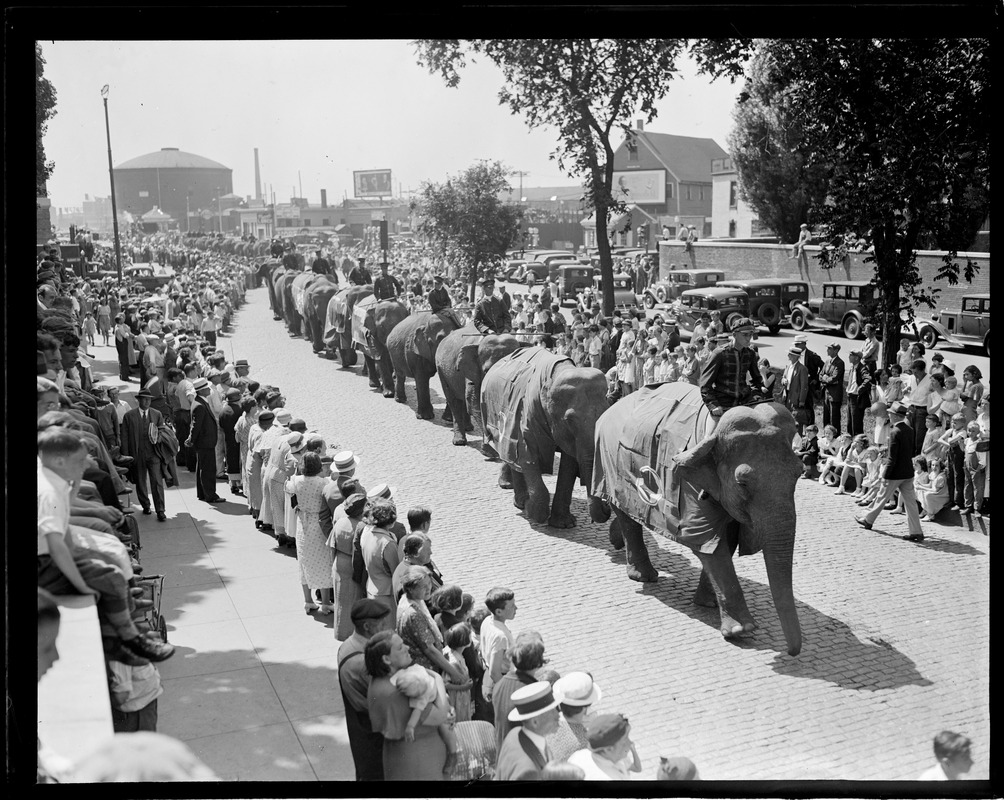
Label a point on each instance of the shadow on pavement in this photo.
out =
(934, 543)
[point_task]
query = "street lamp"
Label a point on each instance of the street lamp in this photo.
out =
(111, 179)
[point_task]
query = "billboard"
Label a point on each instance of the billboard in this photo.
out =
(645, 186)
(372, 183)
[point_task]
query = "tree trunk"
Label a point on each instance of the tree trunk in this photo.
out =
(606, 262)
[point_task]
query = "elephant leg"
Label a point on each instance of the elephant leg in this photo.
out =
(473, 407)
(639, 566)
(399, 394)
(387, 376)
(615, 534)
(425, 409)
(561, 515)
(372, 373)
(506, 478)
(704, 595)
(735, 615)
(455, 414)
(518, 483)
(538, 500)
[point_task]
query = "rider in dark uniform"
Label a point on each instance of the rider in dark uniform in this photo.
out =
(386, 286)
(290, 261)
(439, 297)
(359, 275)
(321, 265)
(490, 314)
(724, 381)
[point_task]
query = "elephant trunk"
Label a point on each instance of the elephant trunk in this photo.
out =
(778, 553)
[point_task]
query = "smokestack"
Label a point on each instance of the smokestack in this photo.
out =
(324, 198)
(257, 177)
(640, 124)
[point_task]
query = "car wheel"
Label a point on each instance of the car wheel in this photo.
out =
(929, 337)
(649, 301)
(660, 294)
(769, 315)
(798, 320)
(852, 327)
(986, 344)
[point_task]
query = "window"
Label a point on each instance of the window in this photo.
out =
(985, 308)
(733, 195)
(690, 190)
(632, 148)
(732, 228)
(143, 193)
(669, 193)
(853, 293)
(306, 223)
(701, 191)
(829, 292)
(325, 221)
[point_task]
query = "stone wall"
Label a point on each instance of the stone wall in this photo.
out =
(748, 260)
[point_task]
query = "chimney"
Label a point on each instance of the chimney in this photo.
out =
(640, 124)
(324, 198)
(257, 177)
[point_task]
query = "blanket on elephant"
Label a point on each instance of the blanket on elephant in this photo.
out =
(334, 321)
(512, 405)
(636, 440)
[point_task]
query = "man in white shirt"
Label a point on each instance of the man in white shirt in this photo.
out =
(953, 752)
(919, 387)
(610, 745)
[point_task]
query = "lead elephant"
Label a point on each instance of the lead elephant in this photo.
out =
(662, 464)
(372, 323)
(412, 346)
(338, 324)
(315, 307)
(532, 404)
(462, 360)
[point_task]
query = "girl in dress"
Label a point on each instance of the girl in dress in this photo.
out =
(457, 640)
(313, 556)
(842, 446)
(951, 400)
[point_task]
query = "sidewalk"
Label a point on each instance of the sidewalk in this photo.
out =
(252, 687)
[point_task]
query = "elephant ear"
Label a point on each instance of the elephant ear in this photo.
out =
(421, 346)
(699, 467)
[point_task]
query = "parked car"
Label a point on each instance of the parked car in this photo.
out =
(149, 276)
(793, 293)
(624, 296)
(544, 267)
(844, 306)
(573, 279)
(765, 301)
(512, 267)
(731, 303)
(678, 282)
(968, 326)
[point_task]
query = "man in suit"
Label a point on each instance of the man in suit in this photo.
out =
(813, 364)
(202, 438)
(524, 751)
(139, 440)
(831, 378)
(859, 388)
(795, 387)
(491, 315)
(897, 474)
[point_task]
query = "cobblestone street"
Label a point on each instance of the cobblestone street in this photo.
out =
(896, 634)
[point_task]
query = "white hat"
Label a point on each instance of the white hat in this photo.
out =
(578, 689)
(533, 700)
(283, 415)
(345, 461)
(381, 490)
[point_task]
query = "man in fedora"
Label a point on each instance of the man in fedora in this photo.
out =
(368, 618)
(795, 387)
(524, 751)
(202, 438)
(611, 755)
(490, 314)
(897, 474)
(831, 378)
(139, 440)
(731, 376)
(229, 417)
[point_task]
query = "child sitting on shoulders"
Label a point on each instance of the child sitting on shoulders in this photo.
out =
(422, 687)
(808, 451)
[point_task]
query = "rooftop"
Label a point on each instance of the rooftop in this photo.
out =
(171, 158)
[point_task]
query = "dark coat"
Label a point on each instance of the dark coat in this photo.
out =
(204, 429)
(831, 378)
(133, 435)
(228, 420)
(899, 460)
(519, 759)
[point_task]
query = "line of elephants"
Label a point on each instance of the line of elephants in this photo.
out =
(653, 459)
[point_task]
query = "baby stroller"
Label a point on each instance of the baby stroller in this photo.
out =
(153, 590)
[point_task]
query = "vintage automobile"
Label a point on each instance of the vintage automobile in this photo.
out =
(793, 293)
(844, 306)
(679, 281)
(511, 267)
(765, 301)
(149, 276)
(731, 303)
(968, 326)
(572, 281)
(544, 266)
(624, 296)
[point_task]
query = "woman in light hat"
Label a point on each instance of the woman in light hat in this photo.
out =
(579, 692)
(313, 556)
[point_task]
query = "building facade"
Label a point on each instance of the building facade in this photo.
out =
(731, 216)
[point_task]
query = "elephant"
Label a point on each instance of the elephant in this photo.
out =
(338, 324)
(533, 403)
(372, 323)
(462, 360)
(315, 306)
(280, 279)
(412, 346)
(661, 463)
(301, 283)
(289, 312)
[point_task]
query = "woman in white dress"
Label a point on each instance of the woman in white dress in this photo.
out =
(313, 556)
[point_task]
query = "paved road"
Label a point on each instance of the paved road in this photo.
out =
(896, 635)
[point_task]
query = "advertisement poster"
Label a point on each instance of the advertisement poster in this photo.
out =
(641, 186)
(372, 183)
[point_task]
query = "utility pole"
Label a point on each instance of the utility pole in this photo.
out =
(521, 175)
(111, 178)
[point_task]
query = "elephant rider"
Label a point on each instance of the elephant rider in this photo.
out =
(440, 302)
(322, 266)
(490, 314)
(724, 378)
(290, 261)
(359, 275)
(386, 286)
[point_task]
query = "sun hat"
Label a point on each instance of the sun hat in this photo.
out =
(283, 415)
(801, 339)
(381, 491)
(606, 730)
(345, 461)
(794, 351)
(533, 700)
(578, 689)
(200, 383)
(296, 441)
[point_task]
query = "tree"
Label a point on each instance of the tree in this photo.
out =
(468, 220)
(45, 109)
(903, 128)
(774, 176)
(588, 89)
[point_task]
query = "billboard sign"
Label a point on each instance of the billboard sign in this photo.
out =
(372, 183)
(647, 186)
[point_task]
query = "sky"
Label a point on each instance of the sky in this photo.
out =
(316, 111)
